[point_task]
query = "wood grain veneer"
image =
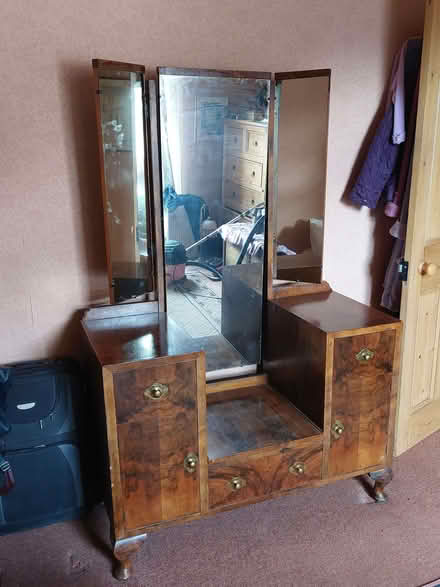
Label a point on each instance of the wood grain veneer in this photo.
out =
(263, 472)
(154, 438)
(361, 394)
(136, 338)
(294, 359)
(333, 312)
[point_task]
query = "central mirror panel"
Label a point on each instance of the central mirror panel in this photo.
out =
(214, 134)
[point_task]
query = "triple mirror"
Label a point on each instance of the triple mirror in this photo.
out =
(228, 162)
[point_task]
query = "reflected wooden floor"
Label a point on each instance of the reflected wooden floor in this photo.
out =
(220, 354)
(195, 305)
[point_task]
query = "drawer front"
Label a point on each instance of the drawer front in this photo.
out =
(240, 198)
(256, 142)
(247, 476)
(155, 435)
(233, 139)
(245, 172)
(361, 395)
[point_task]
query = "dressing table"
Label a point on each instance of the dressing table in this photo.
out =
(235, 384)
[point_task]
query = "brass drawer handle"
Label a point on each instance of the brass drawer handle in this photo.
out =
(190, 462)
(297, 468)
(237, 483)
(365, 355)
(156, 391)
(338, 429)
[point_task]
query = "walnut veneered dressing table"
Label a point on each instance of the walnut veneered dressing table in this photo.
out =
(225, 387)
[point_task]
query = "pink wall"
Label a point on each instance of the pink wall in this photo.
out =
(52, 254)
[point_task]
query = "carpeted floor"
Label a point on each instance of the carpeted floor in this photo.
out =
(330, 536)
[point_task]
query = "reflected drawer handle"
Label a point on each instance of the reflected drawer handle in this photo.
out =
(253, 174)
(337, 429)
(297, 468)
(365, 355)
(235, 140)
(190, 462)
(252, 201)
(156, 391)
(237, 483)
(233, 167)
(256, 143)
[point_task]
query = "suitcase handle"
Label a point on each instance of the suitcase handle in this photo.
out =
(8, 477)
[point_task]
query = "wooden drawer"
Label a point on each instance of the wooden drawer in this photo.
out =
(155, 435)
(233, 139)
(361, 395)
(240, 198)
(244, 171)
(246, 476)
(256, 142)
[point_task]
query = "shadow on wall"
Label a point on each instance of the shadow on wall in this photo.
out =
(400, 20)
(77, 90)
(297, 236)
(75, 83)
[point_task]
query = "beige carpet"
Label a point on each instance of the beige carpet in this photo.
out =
(330, 536)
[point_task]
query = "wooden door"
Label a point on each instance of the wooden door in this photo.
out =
(419, 400)
(157, 432)
(361, 401)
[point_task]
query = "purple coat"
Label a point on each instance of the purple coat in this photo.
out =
(378, 166)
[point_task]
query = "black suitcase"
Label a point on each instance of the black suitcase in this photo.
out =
(40, 406)
(42, 403)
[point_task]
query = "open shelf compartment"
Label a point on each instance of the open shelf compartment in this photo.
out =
(251, 418)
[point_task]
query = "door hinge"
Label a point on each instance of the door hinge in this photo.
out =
(403, 270)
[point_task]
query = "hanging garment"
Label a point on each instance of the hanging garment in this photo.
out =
(392, 208)
(381, 167)
(397, 96)
(392, 285)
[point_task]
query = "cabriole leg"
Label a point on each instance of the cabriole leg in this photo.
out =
(123, 551)
(381, 479)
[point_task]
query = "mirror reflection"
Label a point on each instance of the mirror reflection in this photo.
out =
(301, 128)
(214, 159)
(122, 127)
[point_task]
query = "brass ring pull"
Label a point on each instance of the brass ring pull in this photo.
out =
(190, 462)
(297, 468)
(237, 483)
(338, 429)
(365, 355)
(156, 391)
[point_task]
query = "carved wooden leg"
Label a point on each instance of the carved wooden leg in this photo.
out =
(123, 550)
(381, 479)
